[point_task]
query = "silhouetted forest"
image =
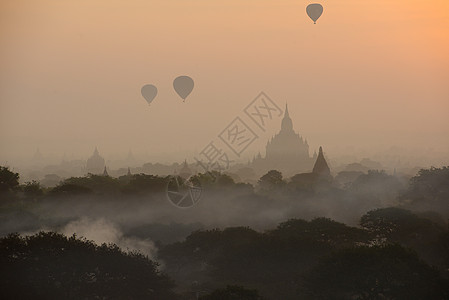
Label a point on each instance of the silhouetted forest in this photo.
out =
(305, 237)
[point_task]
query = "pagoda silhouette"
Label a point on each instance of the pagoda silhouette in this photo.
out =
(287, 152)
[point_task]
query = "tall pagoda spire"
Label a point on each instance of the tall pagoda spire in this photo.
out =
(287, 124)
(105, 172)
(321, 166)
(95, 164)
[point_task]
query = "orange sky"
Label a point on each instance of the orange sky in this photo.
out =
(370, 74)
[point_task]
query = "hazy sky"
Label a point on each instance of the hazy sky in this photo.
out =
(369, 74)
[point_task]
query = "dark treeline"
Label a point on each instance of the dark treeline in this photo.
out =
(426, 189)
(49, 265)
(377, 236)
(28, 206)
(394, 255)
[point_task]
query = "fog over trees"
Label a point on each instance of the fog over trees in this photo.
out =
(224, 150)
(310, 236)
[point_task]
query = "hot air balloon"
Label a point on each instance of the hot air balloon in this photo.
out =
(149, 92)
(314, 11)
(183, 86)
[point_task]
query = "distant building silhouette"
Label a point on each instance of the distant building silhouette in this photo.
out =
(95, 164)
(105, 172)
(185, 171)
(321, 166)
(287, 151)
(320, 173)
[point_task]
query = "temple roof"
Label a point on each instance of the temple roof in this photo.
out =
(287, 124)
(321, 166)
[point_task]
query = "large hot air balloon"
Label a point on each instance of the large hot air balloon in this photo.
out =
(183, 86)
(149, 92)
(314, 11)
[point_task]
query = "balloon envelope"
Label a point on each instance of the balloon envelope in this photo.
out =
(314, 11)
(183, 86)
(149, 92)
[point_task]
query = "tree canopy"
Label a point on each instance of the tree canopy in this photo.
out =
(233, 292)
(49, 265)
(8, 179)
(386, 272)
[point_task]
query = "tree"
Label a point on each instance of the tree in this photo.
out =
(215, 180)
(225, 180)
(233, 292)
(144, 184)
(271, 181)
(444, 238)
(396, 225)
(388, 272)
(69, 189)
(276, 262)
(266, 261)
(346, 178)
(429, 189)
(32, 189)
(8, 180)
(335, 234)
(388, 221)
(376, 188)
(99, 184)
(311, 184)
(48, 265)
